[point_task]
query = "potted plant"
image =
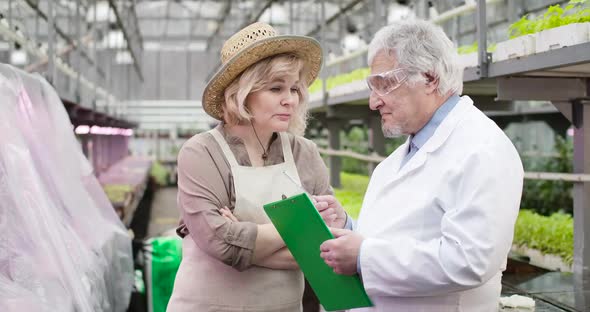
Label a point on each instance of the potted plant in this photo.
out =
(468, 54)
(548, 241)
(558, 27)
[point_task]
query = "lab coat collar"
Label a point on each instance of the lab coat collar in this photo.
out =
(437, 140)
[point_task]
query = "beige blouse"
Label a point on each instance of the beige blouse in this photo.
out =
(205, 184)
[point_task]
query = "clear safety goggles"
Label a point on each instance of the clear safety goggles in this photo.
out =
(385, 83)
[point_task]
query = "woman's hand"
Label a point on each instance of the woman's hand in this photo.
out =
(226, 213)
(267, 246)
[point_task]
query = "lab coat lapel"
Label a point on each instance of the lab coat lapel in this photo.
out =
(437, 140)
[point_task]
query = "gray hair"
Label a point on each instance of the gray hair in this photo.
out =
(421, 47)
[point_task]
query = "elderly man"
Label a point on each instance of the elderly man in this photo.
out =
(437, 220)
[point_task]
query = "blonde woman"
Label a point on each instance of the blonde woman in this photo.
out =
(233, 257)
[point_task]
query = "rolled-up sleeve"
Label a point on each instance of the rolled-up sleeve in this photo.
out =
(201, 192)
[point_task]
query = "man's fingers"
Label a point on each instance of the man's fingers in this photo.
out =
(339, 232)
(333, 217)
(327, 212)
(325, 198)
(321, 206)
(328, 259)
(326, 246)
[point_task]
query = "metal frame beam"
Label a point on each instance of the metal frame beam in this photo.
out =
(254, 16)
(188, 37)
(482, 30)
(178, 18)
(127, 37)
(542, 88)
(332, 18)
(350, 112)
(581, 265)
(225, 12)
(73, 43)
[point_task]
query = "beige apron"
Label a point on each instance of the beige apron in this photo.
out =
(206, 284)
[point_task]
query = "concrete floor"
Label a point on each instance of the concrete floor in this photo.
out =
(164, 214)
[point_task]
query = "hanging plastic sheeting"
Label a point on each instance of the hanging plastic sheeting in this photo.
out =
(62, 247)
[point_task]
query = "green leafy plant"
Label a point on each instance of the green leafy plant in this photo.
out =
(547, 197)
(466, 49)
(159, 173)
(576, 11)
(355, 140)
(334, 81)
(117, 193)
(352, 192)
(550, 235)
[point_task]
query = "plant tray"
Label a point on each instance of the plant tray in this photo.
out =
(563, 36)
(513, 48)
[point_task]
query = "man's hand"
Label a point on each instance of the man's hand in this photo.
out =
(330, 210)
(341, 253)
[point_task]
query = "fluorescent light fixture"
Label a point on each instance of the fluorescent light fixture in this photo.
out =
(114, 39)
(197, 46)
(103, 13)
(18, 57)
(398, 12)
(123, 57)
(84, 129)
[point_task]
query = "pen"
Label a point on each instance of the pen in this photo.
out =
(295, 182)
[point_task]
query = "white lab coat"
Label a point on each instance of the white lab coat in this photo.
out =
(438, 231)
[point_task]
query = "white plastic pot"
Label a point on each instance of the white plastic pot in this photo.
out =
(564, 36)
(513, 48)
(316, 96)
(547, 261)
(349, 88)
(468, 60)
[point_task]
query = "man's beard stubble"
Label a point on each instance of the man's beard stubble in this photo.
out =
(392, 132)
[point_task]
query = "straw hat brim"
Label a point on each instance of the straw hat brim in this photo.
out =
(307, 48)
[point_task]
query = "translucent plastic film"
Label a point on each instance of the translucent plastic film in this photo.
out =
(62, 247)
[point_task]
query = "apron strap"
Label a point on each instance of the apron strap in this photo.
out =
(287, 153)
(229, 155)
(289, 160)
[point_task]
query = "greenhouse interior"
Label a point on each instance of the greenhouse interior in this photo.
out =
(129, 128)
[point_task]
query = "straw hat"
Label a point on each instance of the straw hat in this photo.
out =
(250, 45)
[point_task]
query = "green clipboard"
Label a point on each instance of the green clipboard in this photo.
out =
(303, 230)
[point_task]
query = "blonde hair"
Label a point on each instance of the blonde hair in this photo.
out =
(255, 78)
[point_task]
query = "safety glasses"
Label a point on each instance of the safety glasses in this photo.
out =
(385, 83)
